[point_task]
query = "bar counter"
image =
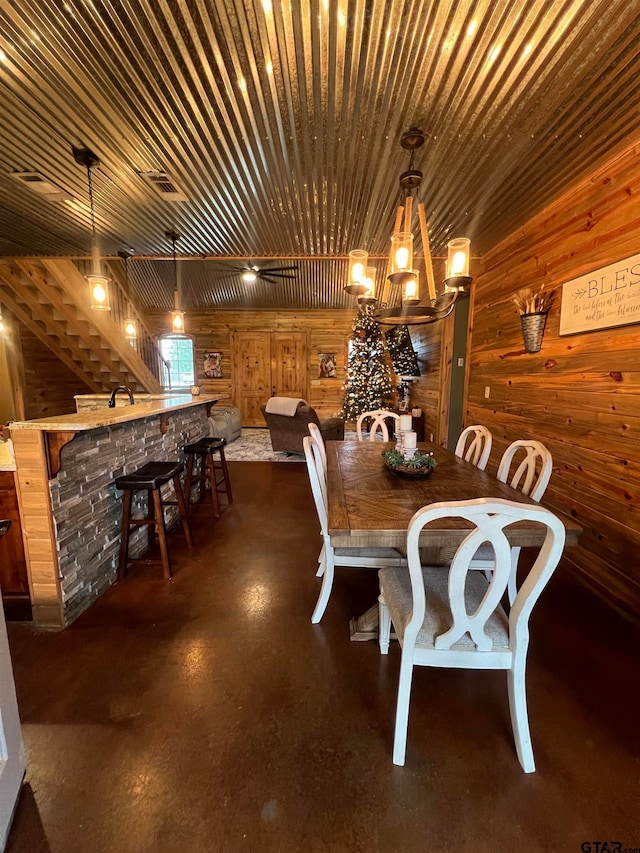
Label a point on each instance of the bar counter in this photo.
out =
(70, 509)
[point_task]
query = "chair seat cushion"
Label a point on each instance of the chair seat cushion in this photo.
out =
(396, 588)
(205, 445)
(150, 476)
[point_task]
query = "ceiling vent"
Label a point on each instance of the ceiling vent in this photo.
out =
(164, 186)
(41, 185)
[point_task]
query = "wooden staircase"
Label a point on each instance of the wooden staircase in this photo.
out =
(50, 297)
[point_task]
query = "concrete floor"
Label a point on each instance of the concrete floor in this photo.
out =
(208, 714)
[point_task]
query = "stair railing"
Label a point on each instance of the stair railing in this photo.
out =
(145, 343)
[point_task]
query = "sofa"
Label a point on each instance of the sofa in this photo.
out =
(287, 432)
(225, 422)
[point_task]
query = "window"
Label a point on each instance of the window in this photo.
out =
(178, 351)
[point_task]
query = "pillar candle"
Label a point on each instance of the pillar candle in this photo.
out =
(405, 422)
(409, 440)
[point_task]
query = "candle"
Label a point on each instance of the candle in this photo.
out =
(405, 423)
(402, 258)
(410, 439)
(357, 272)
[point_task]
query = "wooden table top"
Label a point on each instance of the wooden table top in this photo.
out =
(371, 506)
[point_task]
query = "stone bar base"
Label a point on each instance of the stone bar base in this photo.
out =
(72, 520)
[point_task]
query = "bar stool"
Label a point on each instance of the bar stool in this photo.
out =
(150, 478)
(208, 470)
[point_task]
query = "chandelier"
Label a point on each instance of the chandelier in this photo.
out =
(400, 303)
(98, 281)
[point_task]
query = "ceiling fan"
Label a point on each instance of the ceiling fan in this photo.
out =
(251, 273)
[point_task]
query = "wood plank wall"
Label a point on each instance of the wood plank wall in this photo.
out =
(327, 331)
(580, 394)
(49, 385)
(432, 344)
(425, 392)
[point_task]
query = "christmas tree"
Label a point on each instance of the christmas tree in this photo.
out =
(368, 370)
(403, 356)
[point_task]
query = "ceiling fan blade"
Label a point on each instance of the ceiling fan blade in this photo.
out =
(279, 269)
(228, 268)
(281, 275)
(268, 279)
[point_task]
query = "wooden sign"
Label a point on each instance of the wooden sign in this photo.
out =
(601, 299)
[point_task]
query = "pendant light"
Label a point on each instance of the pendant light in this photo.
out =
(98, 281)
(130, 325)
(177, 315)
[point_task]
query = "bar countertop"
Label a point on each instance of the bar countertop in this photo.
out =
(96, 418)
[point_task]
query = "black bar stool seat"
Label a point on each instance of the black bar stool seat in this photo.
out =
(150, 478)
(211, 473)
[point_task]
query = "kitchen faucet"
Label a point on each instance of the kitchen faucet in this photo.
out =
(112, 398)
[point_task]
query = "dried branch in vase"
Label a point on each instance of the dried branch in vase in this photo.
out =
(533, 300)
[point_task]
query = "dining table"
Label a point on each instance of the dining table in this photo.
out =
(371, 506)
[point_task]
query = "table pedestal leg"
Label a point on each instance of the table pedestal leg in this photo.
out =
(365, 627)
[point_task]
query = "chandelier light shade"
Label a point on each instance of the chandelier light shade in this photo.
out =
(1, 323)
(411, 289)
(367, 298)
(402, 252)
(356, 273)
(98, 281)
(458, 257)
(369, 282)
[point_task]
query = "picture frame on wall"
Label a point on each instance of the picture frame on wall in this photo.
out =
(213, 364)
(326, 365)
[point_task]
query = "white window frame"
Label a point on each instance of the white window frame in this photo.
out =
(180, 336)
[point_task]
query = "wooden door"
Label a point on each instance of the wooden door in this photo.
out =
(267, 364)
(252, 374)
(289, 364)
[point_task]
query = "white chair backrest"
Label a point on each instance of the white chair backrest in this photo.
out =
(489, 517)
(378, 422)
(316, 435)
(316, 479)
(533, 473)
(474, 445)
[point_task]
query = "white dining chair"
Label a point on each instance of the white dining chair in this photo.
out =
(316, 435)
(320, 454)
(378, 419)
(532, 472)
(372, 558)
(453, 618)
(474, 445)
(533, 465)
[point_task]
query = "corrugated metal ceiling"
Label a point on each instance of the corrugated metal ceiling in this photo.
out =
(281, 121)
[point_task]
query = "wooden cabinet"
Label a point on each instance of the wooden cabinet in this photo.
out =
(14, 581)
(267, 364)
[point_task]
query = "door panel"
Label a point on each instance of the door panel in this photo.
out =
(289, 360)
(252, 374)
